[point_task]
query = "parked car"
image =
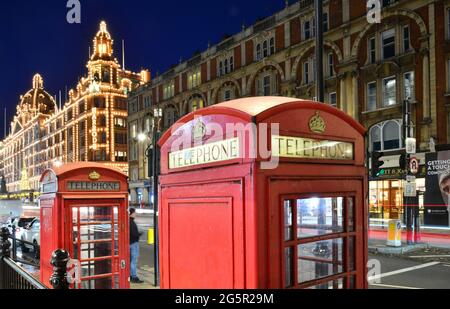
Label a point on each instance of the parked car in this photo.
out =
(31, 234)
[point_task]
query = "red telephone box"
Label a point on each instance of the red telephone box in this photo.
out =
(234, 216)
(84, 211)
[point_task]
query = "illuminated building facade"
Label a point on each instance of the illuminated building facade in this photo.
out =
(90, 127)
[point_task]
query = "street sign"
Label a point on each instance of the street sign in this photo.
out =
(414, 166)
(410, 189)
(410, 145)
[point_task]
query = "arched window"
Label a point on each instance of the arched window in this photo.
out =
(265, 49)
(226, 66)
(386, 136)
(196, 104)
(231, 64)
(272, 46)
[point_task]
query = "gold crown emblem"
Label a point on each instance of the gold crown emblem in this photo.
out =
(94, 176)
(199, 131)
(317, 124)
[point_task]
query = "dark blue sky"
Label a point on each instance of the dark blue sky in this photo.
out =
(36, 38)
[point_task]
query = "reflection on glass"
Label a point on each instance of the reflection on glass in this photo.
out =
(288, 220)
(351, 282)
(288, 256)
(319, 216)
(320, 259)
(97, 284)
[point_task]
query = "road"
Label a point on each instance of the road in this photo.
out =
(413, 273)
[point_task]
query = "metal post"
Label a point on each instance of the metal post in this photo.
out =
(319, 50)
(406, 200)
(59, 261)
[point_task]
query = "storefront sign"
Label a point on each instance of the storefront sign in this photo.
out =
(93, 186)
(437, 195)
(298, 147)
(210, 153)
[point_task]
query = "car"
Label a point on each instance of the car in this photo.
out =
(31, 234)
(17, 224)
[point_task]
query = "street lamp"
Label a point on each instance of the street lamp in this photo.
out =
(153, 158)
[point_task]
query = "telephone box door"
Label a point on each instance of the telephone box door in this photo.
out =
(96, 237)
(321, 230)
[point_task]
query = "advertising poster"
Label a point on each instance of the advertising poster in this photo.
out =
(437, 195)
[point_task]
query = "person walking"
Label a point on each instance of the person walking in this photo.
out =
(134, 247)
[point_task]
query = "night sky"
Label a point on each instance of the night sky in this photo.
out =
(35, 37)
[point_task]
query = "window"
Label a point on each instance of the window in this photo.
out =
(372, 50)
(306, 30)
(330, 65)
(388, 40)
(120, 138)
(325, 22)
(133, 130)
(314, 229)
(258, 52)
(333, 99)
(272, 46)
(406, 45)
(121, 104)
(266, 85)
(99, 102)
(120, 122)
(372, 96)
(81, 108)
(227, 95)
(103, 138)
(265, 49)
(170, 116)
(102, 121)
(409, 86)
(306, 73)
(196, 104)
(148, 101)
(386, 136)
(194, 78)
(226, 66)
(121, 156)
(220, 68)
(231, 64)
(169, 90)
(389, 92)
(448, 23)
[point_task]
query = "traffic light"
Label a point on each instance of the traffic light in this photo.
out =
(376, 164)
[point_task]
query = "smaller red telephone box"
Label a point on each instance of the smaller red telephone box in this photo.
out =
(264, 192)
(84, 211)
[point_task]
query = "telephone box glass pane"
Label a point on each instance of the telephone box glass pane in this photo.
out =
(320, 259)
(288, 235)
(319, 216)
(97, 284)
(336, 284)
(351, 253)
(289, 259)
(351, 214)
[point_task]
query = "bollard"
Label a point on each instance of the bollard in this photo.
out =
(5, 244)
(59, 261)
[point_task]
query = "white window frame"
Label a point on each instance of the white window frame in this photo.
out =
(306, 80)
(258, 52)
(385, 92)
(330, 65)
(305, 37)
(381, 126)
(265, 87)
(369, 96)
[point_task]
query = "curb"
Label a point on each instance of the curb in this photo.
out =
(397, 250)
